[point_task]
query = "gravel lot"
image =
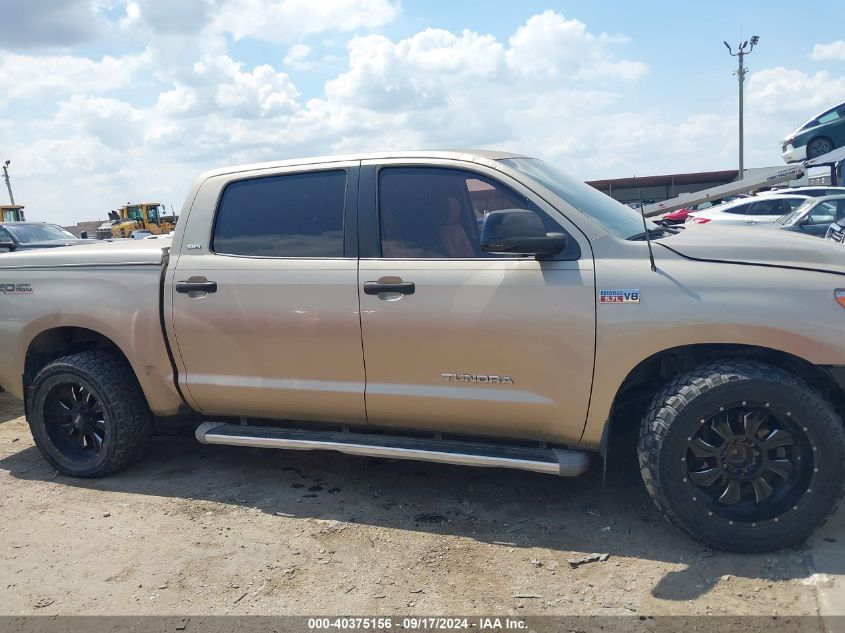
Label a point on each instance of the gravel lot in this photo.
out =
(199, 529)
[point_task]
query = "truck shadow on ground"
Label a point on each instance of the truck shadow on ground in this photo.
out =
(10, 409)
(509, 508)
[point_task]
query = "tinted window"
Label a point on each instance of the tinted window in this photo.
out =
(768, 207)
(831, 116)
(27, 233)
(295, 215)
(790, 204)
(438, 213)
(741, 209)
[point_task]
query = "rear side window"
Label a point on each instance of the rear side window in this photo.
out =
(741, 209)
(769, 207)
(790, 204)
(829, 117)
(294, 215)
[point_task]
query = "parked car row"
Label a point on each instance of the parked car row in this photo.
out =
(800, 210)
(755, 210)
(15, 236)
(767, 208)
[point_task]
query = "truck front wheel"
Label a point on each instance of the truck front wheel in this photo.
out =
(743, 456)
(88, 415)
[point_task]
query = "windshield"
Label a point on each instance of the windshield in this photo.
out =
(788, 218)
(26, 233)
(620, 220)
(133, 213)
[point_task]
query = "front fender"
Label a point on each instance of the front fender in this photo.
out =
(689, 303)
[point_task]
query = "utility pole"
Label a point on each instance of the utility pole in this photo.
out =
(8, 183)
(740, 73)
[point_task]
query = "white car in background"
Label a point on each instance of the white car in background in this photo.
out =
(814, 191)
(749, 211)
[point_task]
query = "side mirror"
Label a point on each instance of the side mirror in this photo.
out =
(83, 235)
(520, 232)
(6, 243)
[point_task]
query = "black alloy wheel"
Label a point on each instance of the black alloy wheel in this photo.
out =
(749, 462)
(75, 421)
(88, 415)
(743, 455)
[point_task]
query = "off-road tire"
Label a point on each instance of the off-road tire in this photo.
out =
(674, 417)
(126, 413)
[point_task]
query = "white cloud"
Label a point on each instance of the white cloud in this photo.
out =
(113, 123)
(47, 23)
(262, 92)
(132, 17)
(835, 51)
(28, 76)
(791, 91)
(180, 101)
(551, 47)
(287, 21)
(436, 67)
(183, 16)
(297, 56)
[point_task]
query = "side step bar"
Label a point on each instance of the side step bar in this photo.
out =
(554, 461)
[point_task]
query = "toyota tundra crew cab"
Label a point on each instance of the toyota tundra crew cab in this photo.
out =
(469, 307)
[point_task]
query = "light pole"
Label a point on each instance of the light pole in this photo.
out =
(8, 183)
(740, 73)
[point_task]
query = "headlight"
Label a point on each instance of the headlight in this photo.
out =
(839, 295)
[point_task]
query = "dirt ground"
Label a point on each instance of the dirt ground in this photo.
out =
(198, 529)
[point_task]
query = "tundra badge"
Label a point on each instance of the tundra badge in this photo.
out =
(482, 378)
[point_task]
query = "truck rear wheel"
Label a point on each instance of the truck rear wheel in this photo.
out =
(88, 415)
(743, 456)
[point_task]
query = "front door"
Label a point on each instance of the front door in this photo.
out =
(822, 216)
(278, 335)
(457, 340)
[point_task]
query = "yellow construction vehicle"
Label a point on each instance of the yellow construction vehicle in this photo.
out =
(132, 218)
(11, 213)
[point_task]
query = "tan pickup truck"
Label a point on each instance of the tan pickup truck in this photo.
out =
(476, 308)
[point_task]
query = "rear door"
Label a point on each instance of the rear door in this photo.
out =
(265, 303)
(464, 341)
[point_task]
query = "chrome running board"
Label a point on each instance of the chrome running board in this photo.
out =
(554, 461)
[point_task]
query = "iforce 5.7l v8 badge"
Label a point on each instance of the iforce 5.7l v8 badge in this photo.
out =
(624, 295)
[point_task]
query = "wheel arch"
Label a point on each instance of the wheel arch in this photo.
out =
(647, 377)
(55, 342)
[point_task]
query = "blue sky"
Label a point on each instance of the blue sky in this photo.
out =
(104, 101)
